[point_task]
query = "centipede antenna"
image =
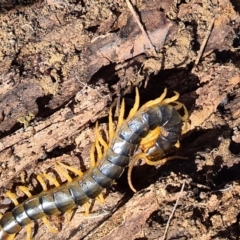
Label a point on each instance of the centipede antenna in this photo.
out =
(130, 168)
(163, 161)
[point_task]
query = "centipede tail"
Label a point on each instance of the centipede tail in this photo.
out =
(156, 127)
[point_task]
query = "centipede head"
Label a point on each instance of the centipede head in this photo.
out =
(154, 153)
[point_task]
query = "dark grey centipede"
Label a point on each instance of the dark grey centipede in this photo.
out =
(115, 160)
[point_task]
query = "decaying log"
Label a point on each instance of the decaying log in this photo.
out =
(63, 63)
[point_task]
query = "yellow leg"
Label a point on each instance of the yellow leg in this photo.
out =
(11, 236)
(98, 143)
(179, 106)
(172, 99)
(44, 186)
(156, 101)
(25, 190)
(62, 172)
(23, 176)
(100, 139)
(111, 132)
(97, 146)
(86, 207)
(12, 197)
(177, 145)
(99, 152)
(135, 106)
(92, 155)
(51, 179)
(69, 215)
(142, 156)
(72, 169)
(100, 198)
(149, 140)
(185, 127)
(48, 177)
(121, 115)
(47, 223)
(186, 115)
(29, 232)
(41, 181)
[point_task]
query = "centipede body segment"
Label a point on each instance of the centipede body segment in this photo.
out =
(156, 127)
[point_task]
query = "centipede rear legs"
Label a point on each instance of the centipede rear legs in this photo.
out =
(13, 198)
(27, 192)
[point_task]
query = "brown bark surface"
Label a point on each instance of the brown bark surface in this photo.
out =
(64, 62)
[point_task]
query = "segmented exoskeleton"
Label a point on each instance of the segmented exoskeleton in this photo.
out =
(156, 127)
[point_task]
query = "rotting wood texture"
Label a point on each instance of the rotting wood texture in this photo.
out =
(62, 64)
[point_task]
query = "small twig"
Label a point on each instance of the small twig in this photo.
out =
(198, 185)
(136, 18)
(173, 211)
(97, 215)
(204, 43)
(224, 189)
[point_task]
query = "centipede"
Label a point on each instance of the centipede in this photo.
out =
(154, 128)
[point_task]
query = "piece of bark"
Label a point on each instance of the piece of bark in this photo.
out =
(33, 143)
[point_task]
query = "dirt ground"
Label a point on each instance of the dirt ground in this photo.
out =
(64, 62)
